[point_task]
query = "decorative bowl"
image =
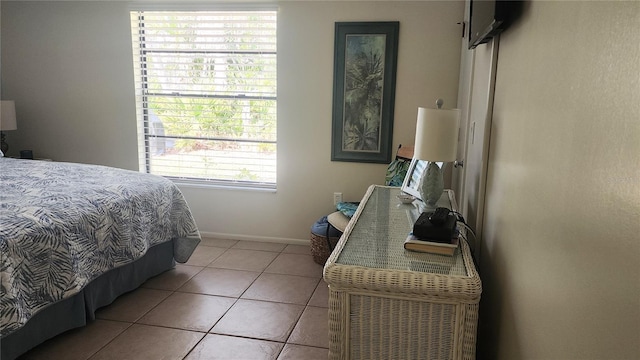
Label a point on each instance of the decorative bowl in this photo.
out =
(405, 198)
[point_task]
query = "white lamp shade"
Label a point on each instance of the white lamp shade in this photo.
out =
(8, 115)
(437, 134)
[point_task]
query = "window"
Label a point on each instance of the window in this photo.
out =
(206, 95)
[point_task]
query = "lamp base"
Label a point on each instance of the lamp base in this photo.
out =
(431, 184)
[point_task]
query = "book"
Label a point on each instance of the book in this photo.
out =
(413, 243)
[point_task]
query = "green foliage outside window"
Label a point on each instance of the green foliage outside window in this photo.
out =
(208, 86)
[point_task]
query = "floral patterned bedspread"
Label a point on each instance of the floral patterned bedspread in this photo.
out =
(64, 224)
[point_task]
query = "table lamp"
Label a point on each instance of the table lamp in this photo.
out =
(7, 121)
(436, 141)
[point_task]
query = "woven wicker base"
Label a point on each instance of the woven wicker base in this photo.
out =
(387, 303)
(320, 249)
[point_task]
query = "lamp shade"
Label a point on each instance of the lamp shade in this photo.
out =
(437, 134)
(8, 115)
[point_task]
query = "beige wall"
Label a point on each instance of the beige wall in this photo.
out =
(68, 66)
(560, 253)
(562, 222)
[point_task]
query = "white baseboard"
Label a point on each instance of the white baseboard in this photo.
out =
(254, 238)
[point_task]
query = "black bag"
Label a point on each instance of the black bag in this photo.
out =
(424, 229)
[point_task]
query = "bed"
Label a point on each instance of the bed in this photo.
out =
(73, 237)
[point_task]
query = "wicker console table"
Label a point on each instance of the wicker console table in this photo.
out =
(389, 303)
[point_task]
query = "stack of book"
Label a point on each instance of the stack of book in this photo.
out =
(413, 243)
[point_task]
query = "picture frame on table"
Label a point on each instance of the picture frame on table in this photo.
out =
(365, 62)
(411, 183)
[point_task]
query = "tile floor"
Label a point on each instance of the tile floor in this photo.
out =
(232, 300)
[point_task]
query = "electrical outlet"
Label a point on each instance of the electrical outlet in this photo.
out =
(337, 197)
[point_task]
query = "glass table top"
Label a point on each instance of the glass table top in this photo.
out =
(383, 224)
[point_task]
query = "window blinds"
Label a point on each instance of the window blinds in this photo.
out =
(206, 95)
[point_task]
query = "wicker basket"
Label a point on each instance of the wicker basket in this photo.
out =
(320, 247)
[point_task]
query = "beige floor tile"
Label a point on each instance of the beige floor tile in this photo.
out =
(132, 306)
(222, 282)
(258, 245)
(174, 278)
(240, 259)
(170, 325)
(312, 329)
(282, 288)
(214, 347)
(204, 255)
(188, 311)
(78, 343)
(259, 319)
(320, 297)
(298, 352)
(221, 243)
(295, 264)
(297, 249)
(150, 342)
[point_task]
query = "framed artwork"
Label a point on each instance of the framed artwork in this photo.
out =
(364, 86)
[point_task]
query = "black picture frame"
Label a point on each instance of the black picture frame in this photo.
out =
(364, 86)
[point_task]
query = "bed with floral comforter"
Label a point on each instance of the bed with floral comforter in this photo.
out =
(64, 225)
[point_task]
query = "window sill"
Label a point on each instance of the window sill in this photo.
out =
(222, 186)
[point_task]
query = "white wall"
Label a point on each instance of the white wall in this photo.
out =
(68, 66)
(562, 219)
(560, 258)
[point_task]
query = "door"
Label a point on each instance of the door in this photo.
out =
(475, 99)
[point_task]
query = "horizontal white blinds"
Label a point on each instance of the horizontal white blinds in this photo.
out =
(206, 94)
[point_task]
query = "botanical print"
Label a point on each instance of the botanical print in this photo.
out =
(363, 92)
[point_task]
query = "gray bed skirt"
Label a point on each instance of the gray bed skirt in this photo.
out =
(75, 311)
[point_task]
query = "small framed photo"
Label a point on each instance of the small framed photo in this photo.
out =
(411, 183)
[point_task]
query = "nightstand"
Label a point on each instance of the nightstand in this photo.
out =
(39, 159)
